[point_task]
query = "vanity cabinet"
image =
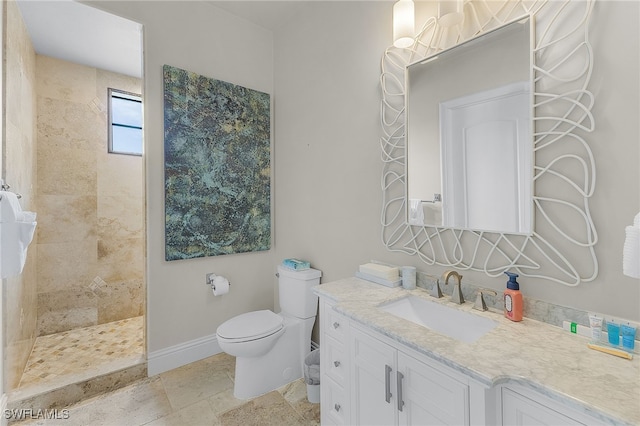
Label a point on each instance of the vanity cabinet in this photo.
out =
(334, 366)
(390, 387)
(367, 381)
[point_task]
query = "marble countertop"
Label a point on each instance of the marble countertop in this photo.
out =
(531, 353)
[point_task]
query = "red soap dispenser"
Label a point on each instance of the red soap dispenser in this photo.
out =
(513, 299)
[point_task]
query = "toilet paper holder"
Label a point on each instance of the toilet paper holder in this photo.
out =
(211, 280)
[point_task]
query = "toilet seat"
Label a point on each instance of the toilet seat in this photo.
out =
(250, 326)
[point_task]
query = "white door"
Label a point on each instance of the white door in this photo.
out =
(373, 373)
(486, 155)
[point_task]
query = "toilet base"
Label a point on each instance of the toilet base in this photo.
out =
(283, 364)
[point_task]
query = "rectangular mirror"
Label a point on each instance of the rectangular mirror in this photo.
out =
(469, 120)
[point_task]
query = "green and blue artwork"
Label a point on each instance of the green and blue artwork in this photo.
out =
(217, 167)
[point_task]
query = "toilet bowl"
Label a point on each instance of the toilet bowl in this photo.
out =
(251, 334)
(270, 348)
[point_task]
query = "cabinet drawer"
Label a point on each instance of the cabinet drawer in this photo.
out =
(335, 407)
(336, 325)
(335, 361)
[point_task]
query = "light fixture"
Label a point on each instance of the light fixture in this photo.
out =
(450, 12)
(403, 23)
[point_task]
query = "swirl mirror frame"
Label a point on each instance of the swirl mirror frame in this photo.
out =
(561, 247)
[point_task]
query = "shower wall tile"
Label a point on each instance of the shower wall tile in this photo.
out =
(120, 217)
(66, 218)
(64, 320)
(91, 230)
(58, 125)
(66, 310)
(120, 176)
(64, 80)
(69, 171)
(66, 266)
(20, 158)
(119, 300)
(120, 259)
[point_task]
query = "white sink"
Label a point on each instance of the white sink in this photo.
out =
(442, 319)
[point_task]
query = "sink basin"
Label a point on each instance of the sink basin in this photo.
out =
(442, 319)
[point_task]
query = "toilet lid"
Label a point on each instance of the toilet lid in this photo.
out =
(250, 326)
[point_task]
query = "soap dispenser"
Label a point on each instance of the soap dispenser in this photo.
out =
(513, 298)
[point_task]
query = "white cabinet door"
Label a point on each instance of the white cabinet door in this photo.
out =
(518, 410)
(373, 373)
(430, 397)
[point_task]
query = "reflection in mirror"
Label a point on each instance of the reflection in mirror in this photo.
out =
(469, 137)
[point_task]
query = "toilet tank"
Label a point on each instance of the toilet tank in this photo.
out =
(295, 294)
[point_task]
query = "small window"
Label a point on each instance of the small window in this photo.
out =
(125, 123)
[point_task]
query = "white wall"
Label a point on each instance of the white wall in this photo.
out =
(206, 40)
(326, 68)
(328, 168)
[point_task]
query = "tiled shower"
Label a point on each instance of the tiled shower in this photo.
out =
(78, 306)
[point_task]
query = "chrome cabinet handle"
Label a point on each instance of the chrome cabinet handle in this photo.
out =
(336, 324)
(337, 407)
(400, 376)
(336, 363)
(387, 383)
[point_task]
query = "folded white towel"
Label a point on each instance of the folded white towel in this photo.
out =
(388, 273)
(16, 232)
(416, 213)
(631, 249)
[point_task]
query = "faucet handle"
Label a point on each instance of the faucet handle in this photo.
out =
(480, 304)
(435, 290)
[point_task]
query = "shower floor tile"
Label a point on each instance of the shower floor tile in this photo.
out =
(95, 350)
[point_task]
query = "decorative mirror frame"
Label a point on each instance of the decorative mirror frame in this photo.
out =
(564, 167)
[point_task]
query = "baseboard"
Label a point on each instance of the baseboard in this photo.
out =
(182, 354)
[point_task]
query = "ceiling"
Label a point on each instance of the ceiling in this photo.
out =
(78, 33)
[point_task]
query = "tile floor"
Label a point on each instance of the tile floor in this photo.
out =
(91, 350)
(200, 393)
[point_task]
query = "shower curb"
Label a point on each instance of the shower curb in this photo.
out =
(23, 401)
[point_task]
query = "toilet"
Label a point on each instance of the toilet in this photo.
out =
(270, 348)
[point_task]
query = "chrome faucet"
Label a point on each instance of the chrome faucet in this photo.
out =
(456, 296)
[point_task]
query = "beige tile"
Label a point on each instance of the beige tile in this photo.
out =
(66, 218)
(120, 216)
(268, 409)
(199, 413)
(135, 404)
(120, 250)
(66, 319)
(84, 350)
(65, 125)
(65, 266)
(224, 401)
(120, 300)
(196, 381)
(79, 167)
(65, 80)
(295, 394)
(120, 259)
(120, 175)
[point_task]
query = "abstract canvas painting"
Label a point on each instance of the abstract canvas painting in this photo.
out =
(217, 167)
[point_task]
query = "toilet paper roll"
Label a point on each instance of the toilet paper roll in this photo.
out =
(220, 286)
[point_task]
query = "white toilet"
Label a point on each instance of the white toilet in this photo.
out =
(270, 348)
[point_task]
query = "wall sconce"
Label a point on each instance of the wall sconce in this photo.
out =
(403, 23)
(450, 12)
